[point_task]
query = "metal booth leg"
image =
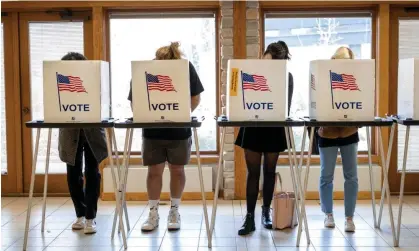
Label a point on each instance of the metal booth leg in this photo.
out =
(386, 187)
(119, 167)
(303, 188)
(372, 187)
(118, 181)
(294, 182)
(201, 181)
(123, 182)
(310, 150)
(399, 217)
(44, 206)
(300, 194)
(28, 212)
(117, 194)
(217, 187)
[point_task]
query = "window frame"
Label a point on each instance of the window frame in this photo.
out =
(322, 11)
(208, 156)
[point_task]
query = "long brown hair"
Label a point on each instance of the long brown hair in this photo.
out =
(169, 52)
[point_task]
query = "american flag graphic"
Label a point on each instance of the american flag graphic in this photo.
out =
(70, 83)
(159, 83)
(254, 82)
(344, 82)
(312, 82)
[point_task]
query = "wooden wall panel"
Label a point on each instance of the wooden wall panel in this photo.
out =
(239, 52)
(383, 67)
(99, 33)
(144, 5)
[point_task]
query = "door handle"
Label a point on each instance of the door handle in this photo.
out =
(26, 110)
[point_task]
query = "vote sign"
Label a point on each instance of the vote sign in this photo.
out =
(342, 90)
(161, 91)
(257, 90)
(76, 91)
(408, 89)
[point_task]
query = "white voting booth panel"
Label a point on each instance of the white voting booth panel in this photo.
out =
(342, 90)
(76, 91)
(161, 91)
(408, 89)
(257, 90)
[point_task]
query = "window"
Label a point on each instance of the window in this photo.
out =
(49, 41)
(311, 38)
(408, 48)
(3, 145)
(138, 38)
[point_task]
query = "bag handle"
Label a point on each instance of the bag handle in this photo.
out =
(278, 180)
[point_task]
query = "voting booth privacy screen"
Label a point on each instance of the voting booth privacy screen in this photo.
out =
(342, 90)
(161, 91)
(408, 89)
(257, 90)
(76, 91)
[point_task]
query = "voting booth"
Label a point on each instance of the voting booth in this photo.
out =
(408, 89)
(76, 91)
(161, 91)
(342, 90)
(257, 90)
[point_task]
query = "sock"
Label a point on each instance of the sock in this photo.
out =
(154, 204)
(175, 202)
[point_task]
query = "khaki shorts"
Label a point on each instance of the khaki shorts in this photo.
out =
(157, 151)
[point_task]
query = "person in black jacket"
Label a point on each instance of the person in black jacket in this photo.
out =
(268, 142)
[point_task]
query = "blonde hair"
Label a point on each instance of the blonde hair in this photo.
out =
(343, 53)
(169, 52)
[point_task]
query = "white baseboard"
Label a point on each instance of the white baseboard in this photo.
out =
(338, 184)
(137, 179)
(138, 174)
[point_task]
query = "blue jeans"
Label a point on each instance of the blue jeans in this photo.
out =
(328, 156)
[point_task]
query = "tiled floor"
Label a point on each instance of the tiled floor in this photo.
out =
(58, 235)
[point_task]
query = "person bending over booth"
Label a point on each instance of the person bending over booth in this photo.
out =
(268, 142)
(72, 143)
(172, 145)
(330, 140)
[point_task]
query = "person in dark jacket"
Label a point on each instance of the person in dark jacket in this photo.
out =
(266, 142)
(72, 143)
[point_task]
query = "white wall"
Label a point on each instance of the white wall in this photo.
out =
(137, 178)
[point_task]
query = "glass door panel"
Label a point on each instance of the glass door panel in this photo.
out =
(44, 37)
(11, 168)
(49, 41)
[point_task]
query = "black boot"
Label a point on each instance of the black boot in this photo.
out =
(266, 217)
(248, 225)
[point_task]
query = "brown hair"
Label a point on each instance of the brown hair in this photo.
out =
(169, 52)
(343, 53)
(278, 50)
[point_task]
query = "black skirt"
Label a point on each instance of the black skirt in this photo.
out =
(262, 139)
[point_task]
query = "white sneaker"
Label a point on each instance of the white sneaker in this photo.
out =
(173, 221)
(90, 227)
(152, 222)
(78, 224)
(329, 221)
(349, 225)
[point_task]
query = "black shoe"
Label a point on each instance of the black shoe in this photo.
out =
(248, 225)
(266, 217)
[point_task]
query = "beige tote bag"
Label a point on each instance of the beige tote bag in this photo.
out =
(284, 206)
